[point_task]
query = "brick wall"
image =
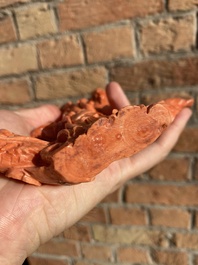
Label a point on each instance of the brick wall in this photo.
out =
(55, 50)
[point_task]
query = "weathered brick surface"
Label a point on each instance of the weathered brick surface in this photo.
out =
(15, 92)
(170, 218)
(91, 13)
(78, 233)
(183, 5)
(162, 194)
(94, 252)
(96, 215)
(171, 169)
(7, 30)
(59, 248)
(170, 35)
(188, 241)
(129, 236)
(30, 20)
(109, 44)
(4, 3)
(46, 261)
(16, 60)
(188, 141)
(132, 255)
(157, 74)
(113, 197)
(70, 83)
(66, 51)
(170, 258)
(127, 216)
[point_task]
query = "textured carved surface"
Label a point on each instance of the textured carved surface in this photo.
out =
(88, 136)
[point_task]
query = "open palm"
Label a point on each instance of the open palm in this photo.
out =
(30, 216)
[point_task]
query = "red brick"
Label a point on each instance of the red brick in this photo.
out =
(157, 74)
(170, 257)
(17, 60)
(77, 14)
(59, 248)
(36, 20)
(170, 35)
(97, 215)
(171, 169)
(45, 261)
(132, 255)
(109, 44)
(72, 83)
(162, 194)
(196, 170)
(5, 3)
(113, 197)
(99, 253)
(188, 141)
(7, 30)
(182, 5)
(127, 216)
(66, 51)
(78, 233)
(129, 235)
(187, 241)
(16, 91)
(170, 218)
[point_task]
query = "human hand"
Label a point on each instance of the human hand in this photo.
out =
(30, 216)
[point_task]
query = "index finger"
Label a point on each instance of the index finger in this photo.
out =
(116, 96)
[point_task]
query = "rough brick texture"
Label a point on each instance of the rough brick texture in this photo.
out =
(162, 194)
(183, 5)
(127, 216)
(5, 3)
(171, 169)
(106, 45)
(52, 51)
(30, 20)
(70, 83)
(132, 255)
(168, 258)
(157, 74)
(15, 92)
(89, 13)
(170, 35)
(17, 60)
(170, 218)
(66, 51)
(99, 253)
(7, 31)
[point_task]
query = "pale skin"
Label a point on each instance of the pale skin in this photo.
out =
(30, 216)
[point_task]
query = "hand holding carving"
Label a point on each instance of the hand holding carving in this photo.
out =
(32, 215)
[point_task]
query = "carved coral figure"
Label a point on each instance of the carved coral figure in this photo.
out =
(88, 137)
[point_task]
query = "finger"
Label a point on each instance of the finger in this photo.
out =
(40, 115)
(157, 151)
(116, 96)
